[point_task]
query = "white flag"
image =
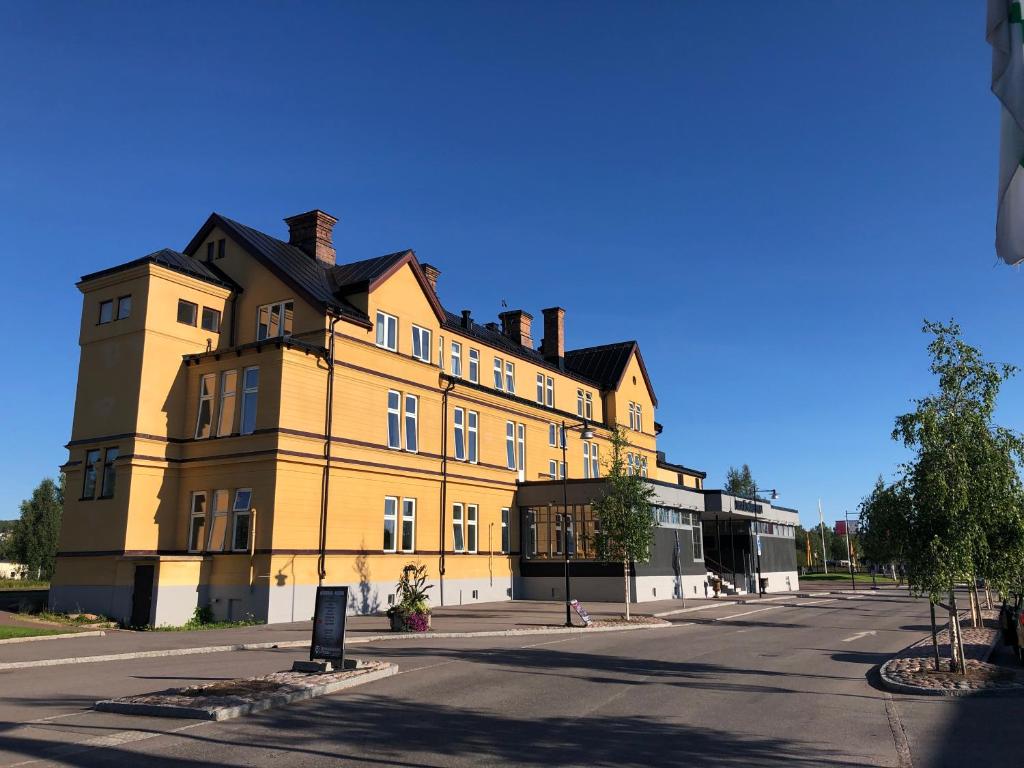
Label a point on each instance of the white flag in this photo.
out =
(1005, 33)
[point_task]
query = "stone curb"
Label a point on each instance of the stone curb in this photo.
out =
(305, 644)
(94, 633)
(227, 713)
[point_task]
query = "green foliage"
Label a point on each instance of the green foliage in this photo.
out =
(33, 541)
(411, 591)
(6, 633)
(739, 482)
(835, 546)
(884, 533)
(955, 513)
(627, 525)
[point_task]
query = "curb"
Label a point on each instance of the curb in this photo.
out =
(94, 633)
(305, 644)
(227, 713)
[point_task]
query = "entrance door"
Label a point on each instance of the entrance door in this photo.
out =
(142, 595)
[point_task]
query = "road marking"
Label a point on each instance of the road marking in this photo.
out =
(899, 735)
(548, 642)
(816, 602)
(56, 717)
(107, 740)
(737, 615)
(859, 635)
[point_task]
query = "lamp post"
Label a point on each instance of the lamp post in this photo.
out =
(586, 433)
(757, 537)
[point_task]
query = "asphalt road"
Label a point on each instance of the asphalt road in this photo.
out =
(781, 682)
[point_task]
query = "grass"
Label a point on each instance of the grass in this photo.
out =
(7, 633)
(76, 620)
(845, 576)
(193, 626)
(22, 584)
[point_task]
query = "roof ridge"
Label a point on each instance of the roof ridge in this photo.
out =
(627, 343)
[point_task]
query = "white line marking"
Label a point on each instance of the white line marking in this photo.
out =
(56, 717)
(859, 635)
(737, 615)
(818, 602)
(107, 740)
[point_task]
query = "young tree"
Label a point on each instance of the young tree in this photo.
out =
(624, 511)
(964, 497)
(33, 542)
(739, 482)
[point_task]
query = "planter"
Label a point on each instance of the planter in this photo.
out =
(397, 622)
(409, 622)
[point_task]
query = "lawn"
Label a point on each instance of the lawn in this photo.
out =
(7, 633)
(845, 576)
(23, 584)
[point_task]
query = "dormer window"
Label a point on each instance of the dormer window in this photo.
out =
(274, 320)
(387, 331)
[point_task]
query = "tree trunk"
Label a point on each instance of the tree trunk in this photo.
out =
(973, 606)
(956, 639)
(625, 581)
(988, 596)
(935, 635)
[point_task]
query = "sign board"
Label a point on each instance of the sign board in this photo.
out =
(580, 611)
(329, 624)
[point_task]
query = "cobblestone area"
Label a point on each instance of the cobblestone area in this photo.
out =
(912, 670)
(231, 698)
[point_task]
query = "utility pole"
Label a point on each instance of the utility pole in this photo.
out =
(821, 522)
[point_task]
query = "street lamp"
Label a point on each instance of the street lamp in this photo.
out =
(757, 538)
(586, 433)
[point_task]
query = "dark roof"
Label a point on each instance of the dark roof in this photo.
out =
(604, 364)
(178, 262)
(292, 264)
(680, 468)
(357, 275)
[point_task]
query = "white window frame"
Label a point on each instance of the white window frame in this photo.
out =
(643, 466)
(595, 464)
(385, 323)
(459, 434)
(521, 448)
(192, 517)
(639, 418)
(697, 535)
(472, 539)
(249, 393)
(225, 395)
(474, 365)
(540, 389)
(586, 460)
(510, 444)
(395, 439)
(421, 341)
(553, 435)
(282, 307)
(553, 469)
(411, 420)
(214, 515)
(506, 541)
(472, 437)
(408, 517)
(456, 359)
(207, 397)
(238, 512)
(549, 392)
(588, 406)
(510, 377)
(579, 402)
(390, 516)
(632, 415)
(458, 528)
(499, 376)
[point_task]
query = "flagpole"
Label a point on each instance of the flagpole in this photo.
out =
(821, 522)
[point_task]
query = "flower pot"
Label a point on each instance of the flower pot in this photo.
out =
(417, 622)
(397, 622)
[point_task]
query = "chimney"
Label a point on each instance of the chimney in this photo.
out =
(552, 346)
(516, 325)
(432, 273)
(311, 232)
(467, 319)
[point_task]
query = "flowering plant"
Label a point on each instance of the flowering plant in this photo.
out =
(412, 611)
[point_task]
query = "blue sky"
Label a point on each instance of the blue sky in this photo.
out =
(770, 197)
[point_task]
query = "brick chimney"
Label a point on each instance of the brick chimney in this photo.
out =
(516, 325)
(432, 273)
(552, 346)
(312, 233)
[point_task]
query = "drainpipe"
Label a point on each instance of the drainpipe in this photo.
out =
(444, 475)
(328, 426)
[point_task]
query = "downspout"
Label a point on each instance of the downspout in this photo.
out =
(328, 426)
(231, 332)
(444, 477)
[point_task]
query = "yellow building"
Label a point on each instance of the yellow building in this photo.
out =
(199, 472)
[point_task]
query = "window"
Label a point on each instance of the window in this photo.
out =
(553, 435)
(387, 331)
(553, 469)
(521, 447)
(411, 421)
(510, 377)
(474, 366)
(408, 525)
(109, 482)
(456, 359)
(558, 534)
(504, 530)
(106, 311)
(632, 415)
(629, 464)
(510, 444)
(273, 320)
(204, 418)
(586, 459)
(250, 394)
(226, 417)
(421, 343)
(124, 307)
(187, 312)
(197, 521)
(472, 419)
(499, 381)
(697, 532)
(639, 418)
(531, 534)
(211, 320)
(221, 245)
(89, 474)
(549, 396)
(540, 388)
(588, 406)
(471, 510)
(242, 511)
(459, 426)
(209, 250)
(595, 464)
(219, 523)
(394, 419)
(458, 540)
(579, 402)
(643, 466)
(390, 523)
